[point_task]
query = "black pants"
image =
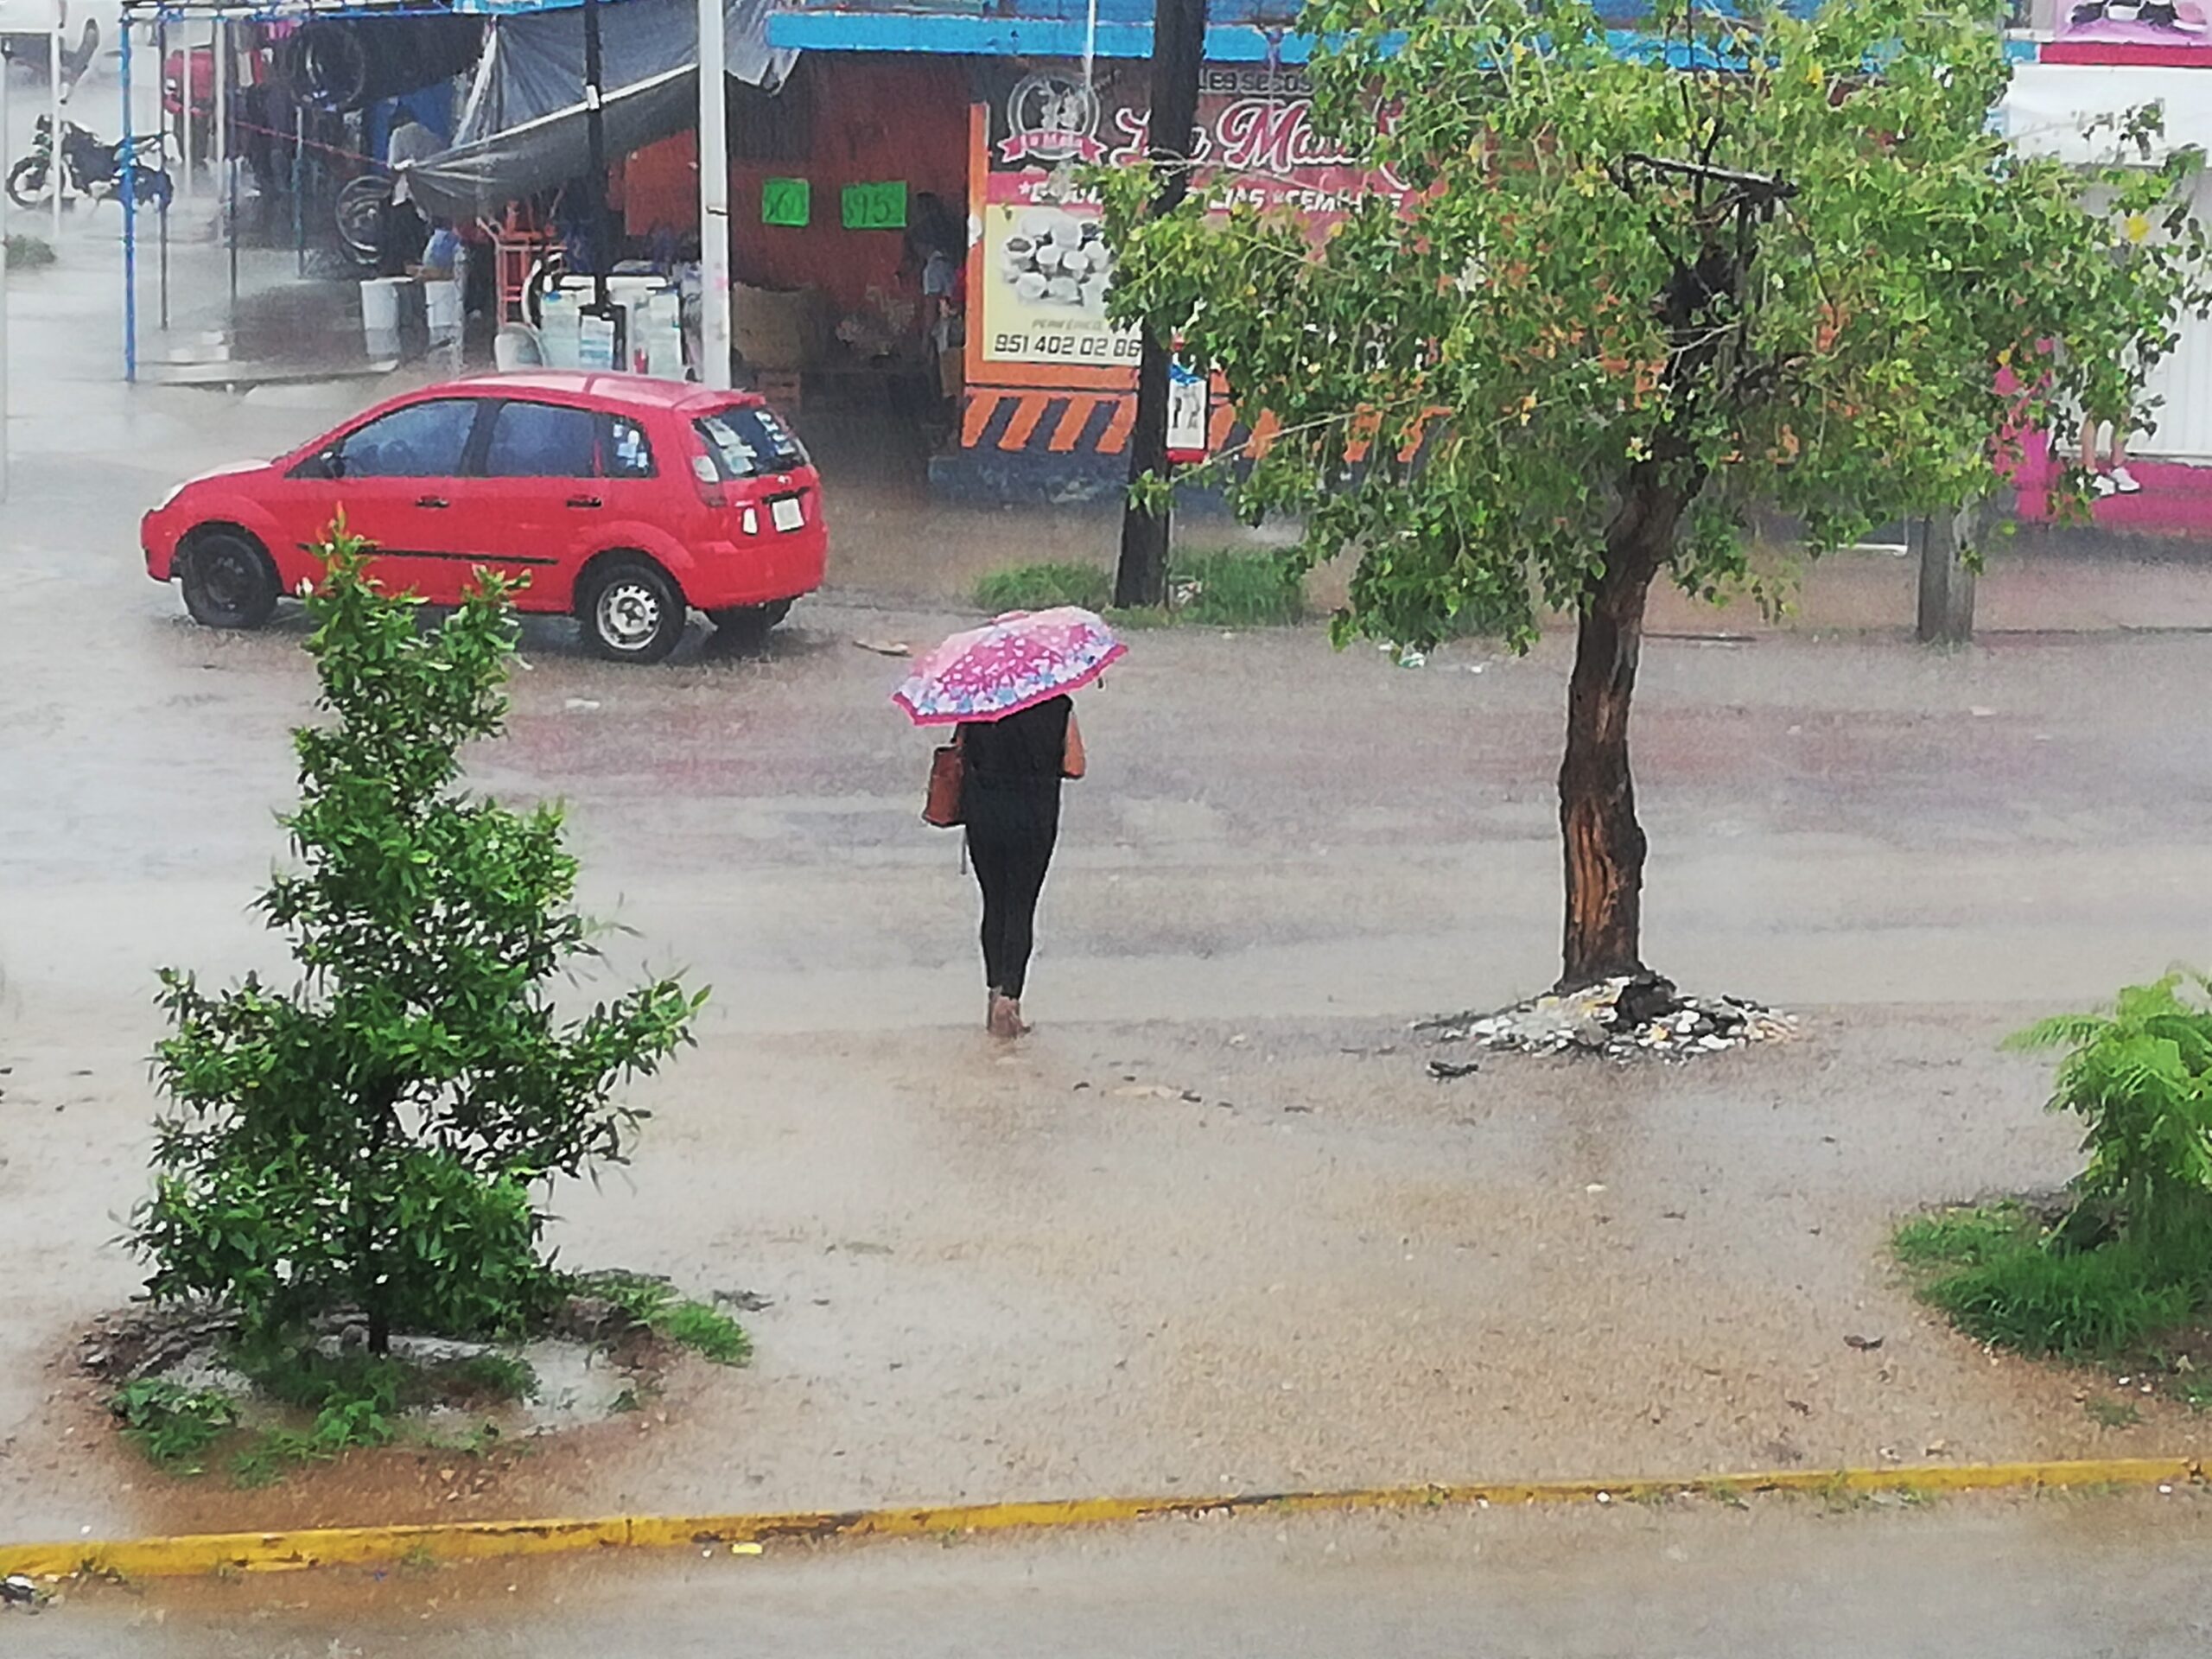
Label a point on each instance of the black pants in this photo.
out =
(404, 235)
(1010, 863)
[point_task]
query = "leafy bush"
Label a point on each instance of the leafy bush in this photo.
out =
(2140, 1079)
(1239, 589)
(372, 1138)
(171, 1424)
(1041, 586)
(2134, 1257)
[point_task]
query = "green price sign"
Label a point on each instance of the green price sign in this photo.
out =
(787, 201)
(876, 206)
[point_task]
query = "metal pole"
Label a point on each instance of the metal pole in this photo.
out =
(603, 223)
(5, 64)
(226, 186)
(129, 221)
(53, 117)
(161, 126)
(714, 199)
(1179, 41)
(299, 183)
(184, 111)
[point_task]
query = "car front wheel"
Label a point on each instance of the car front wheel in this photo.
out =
(227, 580)
(633, 613)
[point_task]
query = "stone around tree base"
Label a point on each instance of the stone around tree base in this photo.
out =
(1625, 1017)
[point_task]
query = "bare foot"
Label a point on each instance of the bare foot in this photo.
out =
(1005, 1017)
(1013, 1017)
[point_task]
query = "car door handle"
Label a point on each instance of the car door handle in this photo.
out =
(583, 501)
(431, 501)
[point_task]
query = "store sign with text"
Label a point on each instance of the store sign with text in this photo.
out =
(1046, 267)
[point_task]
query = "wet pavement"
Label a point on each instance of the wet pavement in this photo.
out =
(1050, 1271)
(2055, 1578)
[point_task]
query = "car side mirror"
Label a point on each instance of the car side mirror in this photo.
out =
(328, 463)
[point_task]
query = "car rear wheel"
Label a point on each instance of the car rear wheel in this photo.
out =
(631, 612)
(750, 622)
(228, 578)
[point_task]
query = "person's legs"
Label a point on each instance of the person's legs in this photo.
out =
(986, 853)
(2122, 480)
(1025, 874)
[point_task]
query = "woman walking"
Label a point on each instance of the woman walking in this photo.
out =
(1011, 773)
(1006, 686)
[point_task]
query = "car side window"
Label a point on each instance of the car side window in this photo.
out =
(629, 452)
(541, 440)
(427, 440)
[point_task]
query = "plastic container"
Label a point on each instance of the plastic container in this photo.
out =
(380, 304)
(442, 309)
(516, 346)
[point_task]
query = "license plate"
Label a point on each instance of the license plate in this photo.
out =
(787, 512)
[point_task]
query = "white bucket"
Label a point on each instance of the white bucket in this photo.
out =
(441, 309)
(516, 346)
(380, 304)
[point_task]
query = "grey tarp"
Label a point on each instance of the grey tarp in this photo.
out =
(523, 129)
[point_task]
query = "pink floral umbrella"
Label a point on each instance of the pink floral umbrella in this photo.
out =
(1021, 659)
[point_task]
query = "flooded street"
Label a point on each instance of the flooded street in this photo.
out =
(1214, 1226)
(2054, 1579)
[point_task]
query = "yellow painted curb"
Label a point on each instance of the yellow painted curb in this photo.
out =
(457, 1540)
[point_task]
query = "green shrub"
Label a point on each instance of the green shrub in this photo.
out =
(171, 1424)
(2140, 1080)
(371, 1137)
(1041, 586)
(1238, 589)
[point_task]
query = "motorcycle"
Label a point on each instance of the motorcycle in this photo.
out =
(93, 168)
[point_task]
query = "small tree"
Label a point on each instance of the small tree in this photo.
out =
(374, 1137)
(1627, 299)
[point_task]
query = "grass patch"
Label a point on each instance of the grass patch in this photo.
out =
(2005, 1278)
(2112, 1413)
(1963, 1239)
(1220, 588)
(28, 253)
(493, 1376)
(1238, 589)
(173, 1424)
(705, 1330)
(1041, 586)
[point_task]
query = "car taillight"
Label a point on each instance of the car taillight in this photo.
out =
(752, 521)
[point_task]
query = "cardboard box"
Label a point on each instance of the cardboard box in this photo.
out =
(778, 328)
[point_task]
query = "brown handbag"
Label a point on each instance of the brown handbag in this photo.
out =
(941, 807)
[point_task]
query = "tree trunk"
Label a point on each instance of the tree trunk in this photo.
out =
(1603, 843)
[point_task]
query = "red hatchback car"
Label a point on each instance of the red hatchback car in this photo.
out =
(623, 501)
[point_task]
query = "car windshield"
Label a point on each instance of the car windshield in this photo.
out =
(744, 441)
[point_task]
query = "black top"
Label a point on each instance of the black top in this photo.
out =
(1010, 768)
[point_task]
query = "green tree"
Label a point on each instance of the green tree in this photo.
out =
(1629, 299)
(375, 1136)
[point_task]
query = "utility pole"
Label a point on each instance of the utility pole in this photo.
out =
(603, 224)
(53, 177)
(1178, 44)
(1945, 541)
(714, 199)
